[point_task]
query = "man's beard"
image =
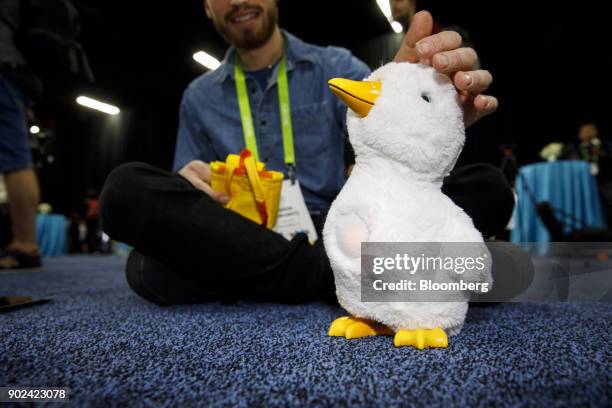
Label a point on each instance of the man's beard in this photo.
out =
(250, 39)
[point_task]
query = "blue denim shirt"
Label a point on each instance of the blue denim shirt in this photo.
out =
(210, 127)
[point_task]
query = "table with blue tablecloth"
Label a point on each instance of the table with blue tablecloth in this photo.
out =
(51, 234)
(567, 185)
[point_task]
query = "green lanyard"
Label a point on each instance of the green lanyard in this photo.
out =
(285, 113)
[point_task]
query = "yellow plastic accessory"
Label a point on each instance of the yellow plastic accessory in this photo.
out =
(356, 328)
(357, 95)
(253, 191)
(421, 338)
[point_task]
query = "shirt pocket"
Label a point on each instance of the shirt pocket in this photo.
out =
(312, 130)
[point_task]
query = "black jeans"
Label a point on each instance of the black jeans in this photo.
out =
(219, 254)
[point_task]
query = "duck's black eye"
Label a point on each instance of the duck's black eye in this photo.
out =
(426, 97)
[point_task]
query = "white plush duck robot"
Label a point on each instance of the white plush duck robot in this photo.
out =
(406, 126)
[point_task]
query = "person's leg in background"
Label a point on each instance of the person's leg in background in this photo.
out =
(20, 180)
(194, 249)
(23, 196)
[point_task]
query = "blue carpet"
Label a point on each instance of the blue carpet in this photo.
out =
(112, 348)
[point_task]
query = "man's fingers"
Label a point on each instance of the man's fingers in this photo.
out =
(486, 104)
(420, 27)
(478, 107)
(433, 44)
(201, 169)
(200, 185)
(442, 51)
(197, 173)
(461, 59)
(474, 82)
(205, 187)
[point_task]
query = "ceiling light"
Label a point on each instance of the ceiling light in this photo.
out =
(207, 60)
(397, 27)
(385, 8)
(97, 105)
(34, 129)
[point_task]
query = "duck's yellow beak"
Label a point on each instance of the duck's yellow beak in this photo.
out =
(357, 95)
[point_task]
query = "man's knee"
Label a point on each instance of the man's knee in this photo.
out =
(121, 192)
(498, 197)
(499, 191)
(120, 181)
(126, 174)
(484, 193)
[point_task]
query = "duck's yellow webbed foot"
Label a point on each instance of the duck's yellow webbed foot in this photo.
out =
(356, 327)
(421, 338)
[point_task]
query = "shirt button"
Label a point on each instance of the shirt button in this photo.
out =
(253, 90)
(263, 123)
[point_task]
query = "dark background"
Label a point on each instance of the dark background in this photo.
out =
(549, 61)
